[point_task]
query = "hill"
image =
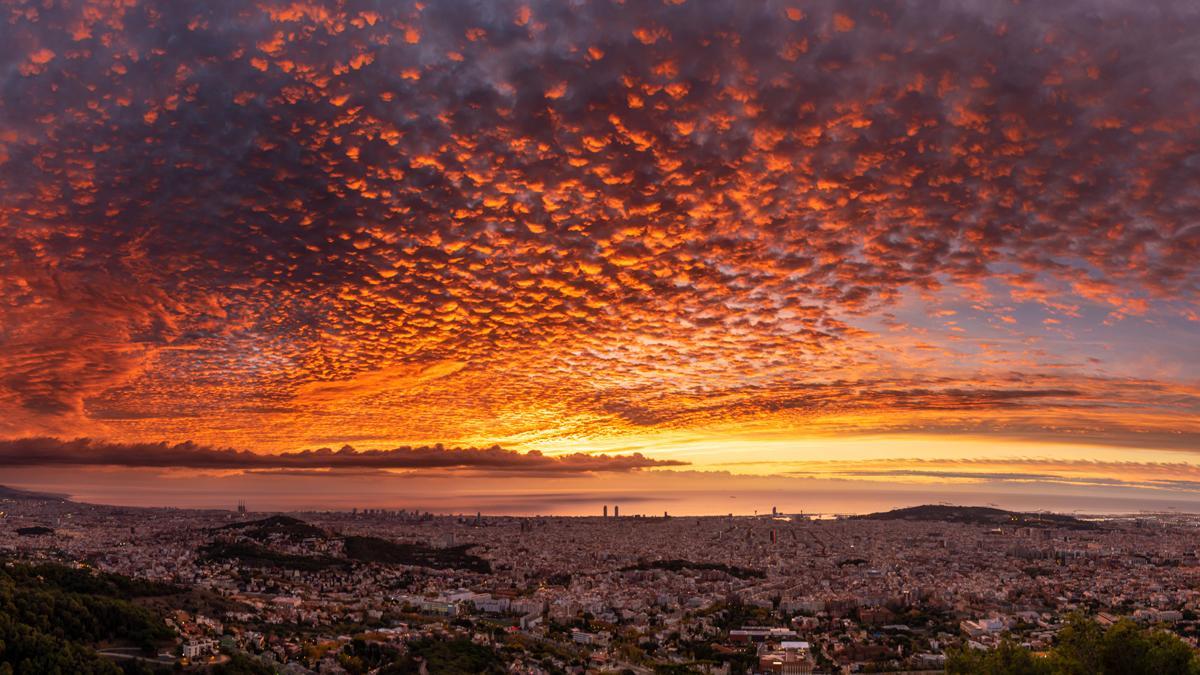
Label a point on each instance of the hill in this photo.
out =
(253, 555)
(374, 549)
(980, 515)
(52, 617)
(285, 527)
(15, 493)
(359, 549)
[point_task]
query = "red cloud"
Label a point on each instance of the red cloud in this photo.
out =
(272, 223)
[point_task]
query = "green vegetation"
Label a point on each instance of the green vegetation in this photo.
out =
(558, 579)
(447, 657)
(735, 614)
(52, 616)
(680, 565)
(241, 664)
(374, 549)
(1084, 647)
(76, 580)
(362, 657)
(193, 600)
(540, 648)
(254, 555)
(357, 549)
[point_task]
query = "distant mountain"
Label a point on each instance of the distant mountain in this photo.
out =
(14, 493)
(980, 515)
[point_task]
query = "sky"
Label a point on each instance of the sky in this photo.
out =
(536, 255)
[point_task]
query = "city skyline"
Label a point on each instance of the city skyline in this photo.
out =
(533, 256)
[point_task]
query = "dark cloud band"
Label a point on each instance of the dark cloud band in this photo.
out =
(86, 452)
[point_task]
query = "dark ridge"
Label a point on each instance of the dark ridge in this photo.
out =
(15, 493)
(290, 528)
(980, 515)
(34, 531)
(87, 581)
(376, 550)
(253, 555)
(680, 565)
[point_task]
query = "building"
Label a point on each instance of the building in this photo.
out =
(194, 649)
(760, 634)
(792, 658)
(984, 627)
(585, 638)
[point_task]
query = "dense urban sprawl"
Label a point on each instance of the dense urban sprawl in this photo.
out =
(334, 592)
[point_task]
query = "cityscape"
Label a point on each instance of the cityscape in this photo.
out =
(394, 591)
(599, 337)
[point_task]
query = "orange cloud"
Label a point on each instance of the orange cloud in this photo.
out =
(573, 226)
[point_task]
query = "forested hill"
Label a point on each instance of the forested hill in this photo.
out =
(51, 617)
(980, 515)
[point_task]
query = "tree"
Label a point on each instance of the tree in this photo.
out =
(240, 664)
(452, 657)
(1077, 651)
(1007, 659)
(1084, 647)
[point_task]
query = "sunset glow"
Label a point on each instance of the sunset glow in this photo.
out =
(643, 246)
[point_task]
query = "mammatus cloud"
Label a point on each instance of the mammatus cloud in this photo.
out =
(527, 222)
(45, 452)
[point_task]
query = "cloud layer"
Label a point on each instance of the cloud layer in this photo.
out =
(86, 452)
(278, 225)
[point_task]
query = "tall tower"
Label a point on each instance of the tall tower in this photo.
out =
(616, 511)
(606, 510)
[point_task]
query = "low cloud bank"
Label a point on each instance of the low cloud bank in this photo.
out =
(89, 452)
